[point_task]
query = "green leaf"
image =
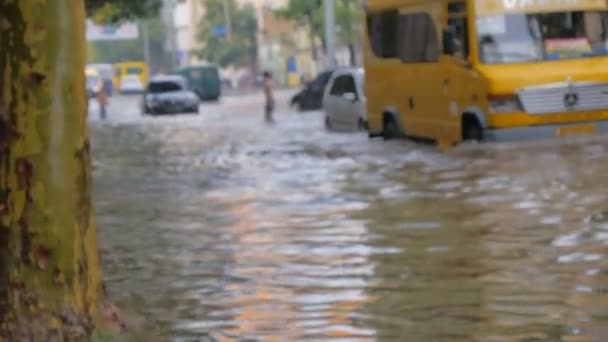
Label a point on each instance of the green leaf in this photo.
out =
(112, 11)
(241, 47)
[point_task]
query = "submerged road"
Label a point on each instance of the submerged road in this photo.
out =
(218, 227)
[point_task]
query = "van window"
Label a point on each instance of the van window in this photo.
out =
(210, 74)
(133, 71)
(382, 32)
(195, 74)
(337, 87)
(458, 26)
(409, 37)
(418, 41)
(349, 85)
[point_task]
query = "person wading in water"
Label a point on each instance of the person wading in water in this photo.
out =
(102, 99)
(269, 107)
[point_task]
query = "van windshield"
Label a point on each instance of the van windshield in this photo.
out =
(133, 71)
(523, 38)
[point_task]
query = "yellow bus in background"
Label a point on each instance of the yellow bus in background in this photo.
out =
(454, 70)
(124, 69)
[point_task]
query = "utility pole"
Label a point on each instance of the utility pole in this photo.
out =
(227, 19)
(330, 33)
(146, 38)
(171, 32)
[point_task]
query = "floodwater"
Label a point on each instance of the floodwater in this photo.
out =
(219, 228)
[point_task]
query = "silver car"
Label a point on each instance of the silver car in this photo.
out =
(169, 95)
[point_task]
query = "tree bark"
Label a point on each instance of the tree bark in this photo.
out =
(50, 282)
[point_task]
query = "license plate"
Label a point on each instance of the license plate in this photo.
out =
(576, 130)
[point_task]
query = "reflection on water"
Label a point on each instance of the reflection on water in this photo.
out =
(216, 230)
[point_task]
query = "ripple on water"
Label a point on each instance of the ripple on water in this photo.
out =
(213, 230)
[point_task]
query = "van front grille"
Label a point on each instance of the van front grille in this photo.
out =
(564, 97)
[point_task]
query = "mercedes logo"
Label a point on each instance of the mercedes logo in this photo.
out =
(570, 99)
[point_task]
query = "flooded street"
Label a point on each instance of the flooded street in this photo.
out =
(219, 228)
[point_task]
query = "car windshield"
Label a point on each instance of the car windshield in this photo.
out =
(164, 87)
(521, 38)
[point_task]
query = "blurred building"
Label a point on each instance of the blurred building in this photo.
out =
(283, 47)
(183, 18)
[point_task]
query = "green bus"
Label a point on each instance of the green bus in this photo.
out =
(204, 80)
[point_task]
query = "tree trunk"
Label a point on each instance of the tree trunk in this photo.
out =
(50, 283)
(313, 43)
(348, 27)
(352, 53)
(254, 53)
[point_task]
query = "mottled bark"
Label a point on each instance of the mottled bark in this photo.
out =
(50, 284)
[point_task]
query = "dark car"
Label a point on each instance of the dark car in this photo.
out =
(311, 96)
(169, 95)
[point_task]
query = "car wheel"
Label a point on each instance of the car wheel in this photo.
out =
(296, 105)
(390, 129)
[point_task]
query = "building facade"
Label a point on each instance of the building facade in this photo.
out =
(182, 19)
(283, 47)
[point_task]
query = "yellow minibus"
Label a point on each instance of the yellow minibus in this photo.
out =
(454, 70)
(120, 70)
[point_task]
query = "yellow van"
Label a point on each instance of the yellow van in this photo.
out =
(454, 70)
(121, 70)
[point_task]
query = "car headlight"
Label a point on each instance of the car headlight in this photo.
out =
(504, 104)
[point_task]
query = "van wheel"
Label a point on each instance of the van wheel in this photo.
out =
(361, 125)
(471, 129)
(390, 130)
(328, 125)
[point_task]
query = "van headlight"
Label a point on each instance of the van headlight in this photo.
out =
(504, 104)
(151, 101)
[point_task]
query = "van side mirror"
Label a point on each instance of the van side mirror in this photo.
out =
(449, 47)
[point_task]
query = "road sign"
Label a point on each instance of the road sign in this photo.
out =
(181, 57)
(124, 31)
(219, 31)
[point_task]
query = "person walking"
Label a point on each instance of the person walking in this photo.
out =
(102, 99)
(269, 99)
